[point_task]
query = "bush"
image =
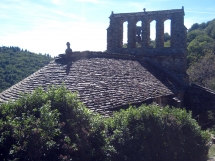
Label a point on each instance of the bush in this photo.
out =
(52, 125)
(152, 133)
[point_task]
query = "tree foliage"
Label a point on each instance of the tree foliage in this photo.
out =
(16, 64)
(210, 30)
(201, 50)
(200, 40)
(199, 47)
(167, 37)
(193, 34)
(202, 72)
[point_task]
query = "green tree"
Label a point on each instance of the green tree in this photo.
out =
(152, 43)
(167, 37)
(210, 29)
(167, 43)
(203, 71)
(194, 27)
(199, 46)
(16, 64)
(124, 45)
(193, 34)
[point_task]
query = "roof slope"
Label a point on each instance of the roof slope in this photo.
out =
(104, 81)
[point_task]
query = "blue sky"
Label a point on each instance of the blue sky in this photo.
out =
(44, 26)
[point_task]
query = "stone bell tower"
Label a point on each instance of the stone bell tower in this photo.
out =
(172, 59)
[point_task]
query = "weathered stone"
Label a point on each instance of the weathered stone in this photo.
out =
(68, 50)
(172, 59)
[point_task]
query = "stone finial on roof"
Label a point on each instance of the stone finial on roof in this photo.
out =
(68, 50)
(111, 14)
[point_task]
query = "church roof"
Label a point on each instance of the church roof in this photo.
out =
(104, 81)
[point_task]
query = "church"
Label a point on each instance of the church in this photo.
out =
(119, 77)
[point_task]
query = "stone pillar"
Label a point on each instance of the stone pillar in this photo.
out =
(120, 33)
(159, 33)
(145, 33)
(131, 34)
(111, 34)
(178, 37)
(110, 39)
(173, 33)
(114, 34)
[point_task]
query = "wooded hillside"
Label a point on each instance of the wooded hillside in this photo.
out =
(16, 64)
(201, 50)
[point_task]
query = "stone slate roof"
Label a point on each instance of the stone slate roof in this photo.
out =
(104, 81)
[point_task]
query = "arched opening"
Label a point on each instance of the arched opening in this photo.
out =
(138, 34)
(153, 34)
(167, 33)
(125, 34)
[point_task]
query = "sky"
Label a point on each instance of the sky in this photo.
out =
(44, 26)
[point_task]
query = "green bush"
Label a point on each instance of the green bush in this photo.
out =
(151, 133)
(52, 125)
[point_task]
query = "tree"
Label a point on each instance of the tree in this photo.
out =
(167, 43)
(194, 27)
(203, 71)
(193, 34)
(124, 45)
(210, 30)
(167, 37)
(15, 65)
(199, 46)
(152, 43)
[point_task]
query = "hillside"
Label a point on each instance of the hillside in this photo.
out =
(16, 64)
(201, 50)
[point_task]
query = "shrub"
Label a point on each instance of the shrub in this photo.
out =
(153, 133)
(51, 125)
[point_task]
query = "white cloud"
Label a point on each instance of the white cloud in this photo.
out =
(52, 37)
